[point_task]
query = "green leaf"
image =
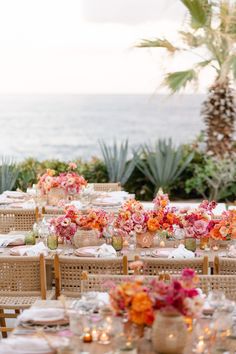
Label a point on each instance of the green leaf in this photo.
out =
(177, 80)
(192, 40)
(157, 43)
(204, 63)
(199, 11)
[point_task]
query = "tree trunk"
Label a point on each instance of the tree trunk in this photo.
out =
(219, 116)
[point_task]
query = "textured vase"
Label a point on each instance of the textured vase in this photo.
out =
(85, 238)
(169, 334)
(55, 195)
(145, 239)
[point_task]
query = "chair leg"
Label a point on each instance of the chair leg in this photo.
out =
(3, 323)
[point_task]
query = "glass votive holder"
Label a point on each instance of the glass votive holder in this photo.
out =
(30, 238)
(52, 241)
(104, 337)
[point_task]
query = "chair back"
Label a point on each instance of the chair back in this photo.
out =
(107, 187)
(68, 271)
(223, 265)
(23, 276)
(157, 266)
(16, 219)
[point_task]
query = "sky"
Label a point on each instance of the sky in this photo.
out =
(86, 46)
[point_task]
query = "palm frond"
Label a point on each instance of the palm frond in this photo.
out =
(179, 79)
(199, 11)
(157, 43)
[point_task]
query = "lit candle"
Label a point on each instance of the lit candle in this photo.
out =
(87, 337)
(200, 348)
(104, 338)
(95, 334)
(162, 243)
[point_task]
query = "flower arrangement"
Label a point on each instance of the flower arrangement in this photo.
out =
(198, 222)
(225, 229)
(47, 181)
(66, 225)
(161, 200)
(94, 219)
(70, 181)
(140, 301)
(131, 217)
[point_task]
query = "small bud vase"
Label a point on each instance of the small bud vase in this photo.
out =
(169, 333)
(190, 244)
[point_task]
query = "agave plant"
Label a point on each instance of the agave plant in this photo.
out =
(8, 174)
(163, 164)
(115, 157)
(210, 34)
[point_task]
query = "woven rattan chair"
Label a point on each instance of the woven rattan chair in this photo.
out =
(173, 266)
(224, 283)
(22, 282)
(224, 265)
(107, 187)
(104, 283)
(16, 219)
(68, 271)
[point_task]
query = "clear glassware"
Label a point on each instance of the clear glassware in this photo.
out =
(216, 299)
(132, 241)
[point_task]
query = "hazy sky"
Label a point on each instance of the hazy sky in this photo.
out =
(85, 46)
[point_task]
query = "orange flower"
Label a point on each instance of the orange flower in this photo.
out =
(153, 224)
(141, 309)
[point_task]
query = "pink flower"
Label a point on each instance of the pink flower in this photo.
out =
(72, 165)
(200, 227)
(138, 218)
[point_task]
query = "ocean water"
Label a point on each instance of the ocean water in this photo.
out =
(69, 126)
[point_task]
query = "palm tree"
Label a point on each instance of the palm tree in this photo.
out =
(211, 35)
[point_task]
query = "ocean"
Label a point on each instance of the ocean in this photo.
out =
(69, 126)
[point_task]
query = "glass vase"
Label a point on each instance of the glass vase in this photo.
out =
(190, 244)
(204, 243)
(52, 242)
(30, 238)
(169, 334)
(117, 242)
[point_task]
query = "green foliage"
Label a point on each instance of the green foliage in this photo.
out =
(9, 172)
(116, 160)
(179, 79)
(94, 171)
(163, 165)
(215, 179)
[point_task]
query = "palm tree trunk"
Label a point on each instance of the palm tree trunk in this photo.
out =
(219, 116)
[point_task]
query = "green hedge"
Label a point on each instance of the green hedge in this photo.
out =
(198, 180)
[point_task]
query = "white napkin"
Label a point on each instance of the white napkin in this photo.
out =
(31, 345)
(76, 203)
(181, 253)
(17, 239)
(30, 204)
(232, 251)
(14, 194)
(35, 250)
(106, 251)
(41, 315)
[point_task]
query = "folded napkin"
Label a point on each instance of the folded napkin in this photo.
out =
(76, 203)
(42, 315)
(106, 251)
(14, 194)
(35, 250)
(232, 251)
(16, 239)
(30, 204)
(31, 345)
(181, 253)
